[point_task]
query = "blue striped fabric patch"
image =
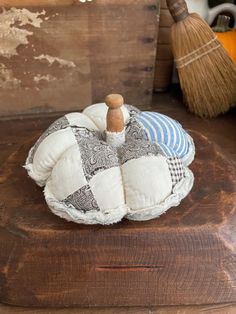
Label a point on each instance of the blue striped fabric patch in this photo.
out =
(165, 131)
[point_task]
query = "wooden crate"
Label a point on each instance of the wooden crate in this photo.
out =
(62, 55)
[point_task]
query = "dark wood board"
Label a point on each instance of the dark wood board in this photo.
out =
(57, 58)
(226, 308)
(164, 56)
(187, 256)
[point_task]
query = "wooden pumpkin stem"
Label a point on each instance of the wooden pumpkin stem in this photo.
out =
(115, 119)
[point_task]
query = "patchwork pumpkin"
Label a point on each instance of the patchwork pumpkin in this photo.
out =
(104, 164)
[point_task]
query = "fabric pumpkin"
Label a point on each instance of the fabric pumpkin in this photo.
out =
(89, 181)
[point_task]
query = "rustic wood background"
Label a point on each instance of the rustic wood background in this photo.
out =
(64, 55)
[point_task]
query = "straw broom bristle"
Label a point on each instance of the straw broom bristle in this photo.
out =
(206, 72)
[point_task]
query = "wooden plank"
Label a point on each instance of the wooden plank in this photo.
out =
(64, 58)
(206, 309)
(31, 3)
(45, 261)
(163, 75)
(164, 52)
(166, 19)
(163, 69)
(163, 4)
(164, 36)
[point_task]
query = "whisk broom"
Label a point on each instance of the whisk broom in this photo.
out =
(206, 72)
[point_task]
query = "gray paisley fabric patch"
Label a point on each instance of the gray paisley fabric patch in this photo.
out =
(83, 199)
(96, 154)
(132, 110)
(134, 130)
(59, 124)
(176, 169)
(137, 148)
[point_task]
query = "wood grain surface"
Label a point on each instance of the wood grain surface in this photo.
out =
(32, 3)
(60, 58)
(187, 256)
(191, 309)
(164, 56)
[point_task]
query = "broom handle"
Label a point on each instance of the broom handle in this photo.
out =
(178, 9)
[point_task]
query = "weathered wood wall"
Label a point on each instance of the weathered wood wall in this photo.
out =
(62, 55)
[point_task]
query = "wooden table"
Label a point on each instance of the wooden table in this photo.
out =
(222, 290)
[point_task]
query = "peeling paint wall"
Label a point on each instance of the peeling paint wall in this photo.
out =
(17, 27)
(7, 80)
(12, 35)
(63, 57)
(40, 62)
(48, 78)
(61, 62)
